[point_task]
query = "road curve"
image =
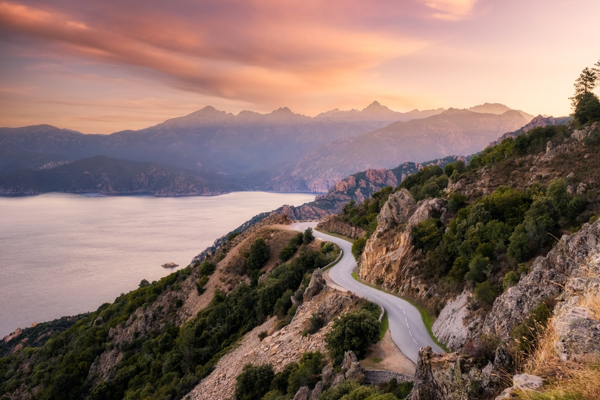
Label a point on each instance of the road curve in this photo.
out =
(406, 325)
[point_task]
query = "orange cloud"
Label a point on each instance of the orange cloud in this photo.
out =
(275, 50)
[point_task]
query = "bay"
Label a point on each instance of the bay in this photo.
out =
(64, 254)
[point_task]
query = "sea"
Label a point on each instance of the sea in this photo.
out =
(65, 254)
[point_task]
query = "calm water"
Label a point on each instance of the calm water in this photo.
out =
(64, 254)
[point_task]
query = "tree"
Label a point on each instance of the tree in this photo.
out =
(308, 236)
(427, 234)
(585, 103)
(254, 382)
(358, 247)
(478, 269)
(355, 331)
(485, 292)
(259, 254)
(519, 248)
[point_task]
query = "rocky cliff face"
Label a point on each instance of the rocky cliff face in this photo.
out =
(456, 324)
(390, 258)
(334, 224)
(572, 264)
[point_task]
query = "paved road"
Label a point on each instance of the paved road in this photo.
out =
(406, 325)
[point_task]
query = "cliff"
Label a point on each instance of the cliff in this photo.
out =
(390, 258)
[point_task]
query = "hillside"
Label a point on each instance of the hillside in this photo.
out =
(451, 132)
(100, 174)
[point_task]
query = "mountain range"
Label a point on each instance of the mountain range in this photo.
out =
(279, 151)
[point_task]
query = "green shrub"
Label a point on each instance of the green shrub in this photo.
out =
(308, 236)
(316, 323)
(456, 201)
(281, 379)
(287, 252)
(427, 234)
(207, 268)
(486, 293)
(254, 382)
(341, 390)
(478, 269)
(259, 254)
(355, 331)
(510, 279)
(358, 247)
(307, 373)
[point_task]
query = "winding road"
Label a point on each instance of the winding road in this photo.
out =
(406, 325)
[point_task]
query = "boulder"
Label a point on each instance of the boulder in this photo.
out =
(316, 392)
(327, 374)
(527, 382)
(578, 334)
(356, 372)
(316, 285)
(349, 358)
(303, 393)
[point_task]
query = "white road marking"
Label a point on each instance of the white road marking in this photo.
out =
(414, 341)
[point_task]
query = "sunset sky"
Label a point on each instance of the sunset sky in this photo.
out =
(103, 66)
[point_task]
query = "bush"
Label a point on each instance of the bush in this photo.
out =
(307, 373)
(207, 268)
(254, 382)
(427, 234)
(259, 254)
(287, 252)
(280, 382)
(358, 247)
(510, 279)
(316, 323)
(478, 269)
(399, 390)
(308, 236)
(340, 390)
(456, 201)
(355, 331)
(485, 293)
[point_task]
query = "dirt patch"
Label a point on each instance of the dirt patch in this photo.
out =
(385, 355)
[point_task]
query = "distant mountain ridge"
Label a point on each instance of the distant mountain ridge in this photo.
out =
(278, 151)
(452, 132)
(105, 175)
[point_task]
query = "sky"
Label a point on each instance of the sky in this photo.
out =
(104, 66)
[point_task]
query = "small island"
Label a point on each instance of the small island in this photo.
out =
(170, 265)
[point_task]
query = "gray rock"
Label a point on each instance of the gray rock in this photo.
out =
(578, 335)
(527, 382)
(349, 358)
(316, 392)
(303, 393)
(397, 209)
(573, 255)
(339, 378)
(327, 374)
(316, 285)
(450, 328)
(356, 372)
(506, 394)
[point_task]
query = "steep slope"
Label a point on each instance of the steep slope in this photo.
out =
(112, 176)
(451, 132)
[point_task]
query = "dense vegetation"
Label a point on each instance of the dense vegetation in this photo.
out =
(356, 331)
(164, 363)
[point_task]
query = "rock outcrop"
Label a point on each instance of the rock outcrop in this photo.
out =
(390, 258)
(335, 224)
(315, 286)
(450, 377)
(573, 263)
(455, 325)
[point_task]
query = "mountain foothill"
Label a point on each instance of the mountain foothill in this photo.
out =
(210, 152)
